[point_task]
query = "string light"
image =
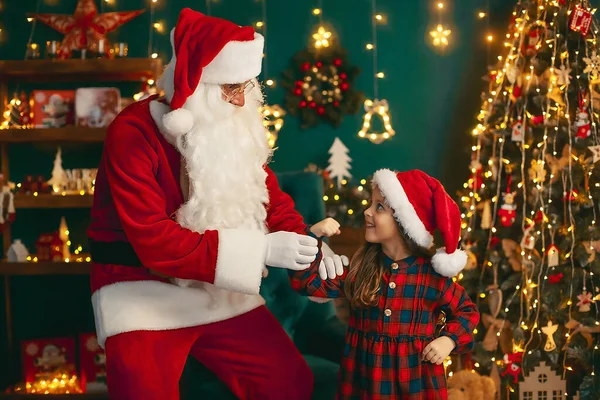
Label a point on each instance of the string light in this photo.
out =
(376, 106)
(440, 35)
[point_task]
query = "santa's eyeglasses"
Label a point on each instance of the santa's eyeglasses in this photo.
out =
(231, 90)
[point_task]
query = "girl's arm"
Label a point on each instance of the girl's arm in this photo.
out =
(309, 283)
(462, 316)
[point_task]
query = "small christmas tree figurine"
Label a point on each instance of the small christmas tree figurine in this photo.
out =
(24, 111)
(12, 113)
(63, 233)
(339, 162)
(59, 176)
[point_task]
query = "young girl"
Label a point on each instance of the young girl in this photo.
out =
(397, 286)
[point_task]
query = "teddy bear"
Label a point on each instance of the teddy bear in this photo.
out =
(469, 385)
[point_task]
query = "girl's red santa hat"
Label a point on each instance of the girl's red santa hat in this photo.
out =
(421, 205)
(208, 50)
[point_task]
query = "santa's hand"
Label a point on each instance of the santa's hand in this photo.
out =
(437, 351)
(328, 227)
(290, 250)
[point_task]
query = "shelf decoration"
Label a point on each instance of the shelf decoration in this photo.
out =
(85, 30)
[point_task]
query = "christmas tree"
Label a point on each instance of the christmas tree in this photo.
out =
(17, 112)
(59, 176)
(339, 162)
(530, 206)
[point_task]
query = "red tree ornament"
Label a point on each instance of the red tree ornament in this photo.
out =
(85, 28)
(556, 278)
(581, 20)
(513, 365)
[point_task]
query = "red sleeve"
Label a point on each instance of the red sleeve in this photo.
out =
(461, 315)
(161, 243)
(281, 214)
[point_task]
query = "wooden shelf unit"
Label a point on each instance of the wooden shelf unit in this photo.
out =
(83, 396)
(96, 70)
(55, 71)
(44, 268)
(71, 134)
(53, 201)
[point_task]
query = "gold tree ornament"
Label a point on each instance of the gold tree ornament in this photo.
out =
(381, 108)
(549, 331)
(273, 122)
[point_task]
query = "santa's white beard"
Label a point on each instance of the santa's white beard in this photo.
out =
(224, 156)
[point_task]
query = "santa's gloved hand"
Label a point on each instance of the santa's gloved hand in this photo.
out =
(290, 250)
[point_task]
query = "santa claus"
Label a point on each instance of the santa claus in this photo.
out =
(186, 215)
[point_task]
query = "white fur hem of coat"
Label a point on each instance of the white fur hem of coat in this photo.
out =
(158, 306)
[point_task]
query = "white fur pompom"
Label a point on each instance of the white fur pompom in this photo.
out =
(449, 264)
(178, 122)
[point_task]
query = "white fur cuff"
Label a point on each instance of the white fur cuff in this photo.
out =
(240, 260)
(449, 264)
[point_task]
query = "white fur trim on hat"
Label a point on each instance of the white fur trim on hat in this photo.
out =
(449, 264)
(404, 212)
(237, 62)
(178, 122)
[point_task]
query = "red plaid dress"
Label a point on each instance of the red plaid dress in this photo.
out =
(382, 355)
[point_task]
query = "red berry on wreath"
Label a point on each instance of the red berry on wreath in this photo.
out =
(321, 110)
(319, 64)
(305, 66)
(336, 103)
(312, 104)
(337, 62)
(302, 104)
(344, 86)
(343, 75)
(299, 83)
(298, 92)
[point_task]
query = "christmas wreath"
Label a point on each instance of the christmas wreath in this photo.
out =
(319, 86)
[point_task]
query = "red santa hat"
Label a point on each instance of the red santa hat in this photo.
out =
(208, 50)
(421, 205)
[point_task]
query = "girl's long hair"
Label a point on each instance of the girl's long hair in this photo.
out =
(363, 281)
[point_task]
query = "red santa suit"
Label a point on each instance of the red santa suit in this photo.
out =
(147, 323)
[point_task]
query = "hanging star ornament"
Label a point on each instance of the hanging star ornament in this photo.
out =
(85, 28)
(381, 108)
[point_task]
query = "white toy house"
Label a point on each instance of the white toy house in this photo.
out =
(542, 384)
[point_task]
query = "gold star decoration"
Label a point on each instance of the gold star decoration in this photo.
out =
(440, 36)
(381, 108)
(273, 121)
(321, 37)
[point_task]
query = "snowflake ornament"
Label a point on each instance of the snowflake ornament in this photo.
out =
(592, 65)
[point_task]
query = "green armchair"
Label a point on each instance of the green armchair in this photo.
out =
(313, 327)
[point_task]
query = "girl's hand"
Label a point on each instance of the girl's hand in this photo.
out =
(437, 351)
(328, 227)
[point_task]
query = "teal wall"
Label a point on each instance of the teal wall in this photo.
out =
(433, 101)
